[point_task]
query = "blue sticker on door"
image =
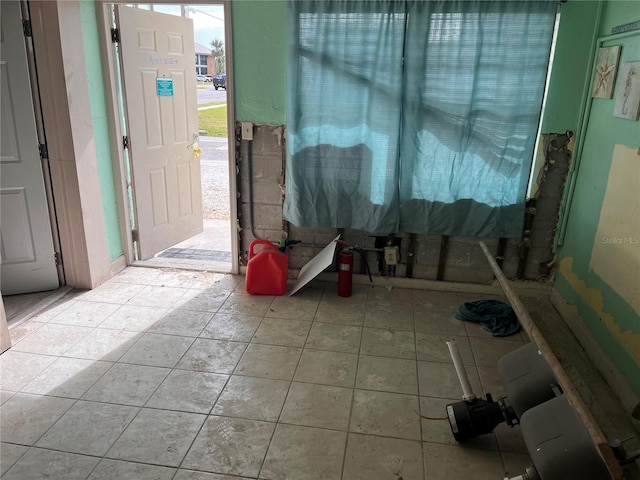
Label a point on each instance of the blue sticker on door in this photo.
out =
(164, 87)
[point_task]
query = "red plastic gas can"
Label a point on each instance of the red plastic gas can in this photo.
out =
(266, 269)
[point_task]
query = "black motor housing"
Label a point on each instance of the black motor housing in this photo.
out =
(471, 418)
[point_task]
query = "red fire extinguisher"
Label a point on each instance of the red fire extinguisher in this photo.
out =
(345, 270)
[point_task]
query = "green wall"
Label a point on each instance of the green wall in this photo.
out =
(570, 62)
(100, 126)
(612, 320)
(259, 60)
(623, 12)
(259, 41)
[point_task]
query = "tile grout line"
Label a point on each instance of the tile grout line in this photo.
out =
(251, 341)
(277, 422)
(75, 400)
(206, 415)
(422, 442)
(140, 408)
(353, 393)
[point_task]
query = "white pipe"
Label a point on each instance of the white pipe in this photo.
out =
(467, 392)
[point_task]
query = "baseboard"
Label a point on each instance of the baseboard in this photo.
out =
(614, 379)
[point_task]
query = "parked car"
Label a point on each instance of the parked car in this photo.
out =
(201, 78)
(220, 81)
(208, 78)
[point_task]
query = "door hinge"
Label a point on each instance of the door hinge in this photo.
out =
(125, 142)
(58, 258)
(115, 35)
(26, 28)
(44, 151)
(134, 235)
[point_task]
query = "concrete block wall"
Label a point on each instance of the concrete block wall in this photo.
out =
(557, 153)
(267, 168)
(464, 260)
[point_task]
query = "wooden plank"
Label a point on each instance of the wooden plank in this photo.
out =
(570, 392)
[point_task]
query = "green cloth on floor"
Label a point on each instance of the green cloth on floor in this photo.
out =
(494, 316)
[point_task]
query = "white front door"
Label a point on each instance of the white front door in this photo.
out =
(158, 64)
(26, 243)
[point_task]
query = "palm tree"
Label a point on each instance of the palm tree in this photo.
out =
(217, 52)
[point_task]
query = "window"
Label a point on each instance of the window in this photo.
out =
(201, 64)
(414, 116)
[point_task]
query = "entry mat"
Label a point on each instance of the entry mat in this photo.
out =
(196, 254)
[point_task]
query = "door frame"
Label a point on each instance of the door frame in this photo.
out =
(40, 137)
(61, 70)
(111, 79)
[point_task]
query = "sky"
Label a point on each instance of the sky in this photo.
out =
(208, 21)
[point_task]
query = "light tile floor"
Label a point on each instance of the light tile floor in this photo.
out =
(182, 375)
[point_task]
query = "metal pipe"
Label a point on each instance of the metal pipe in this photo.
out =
(570, 392)
(467, 392)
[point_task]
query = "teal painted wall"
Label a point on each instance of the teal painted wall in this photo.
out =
(259, 60)
(259, 28)
(259, 39)
(100, 126)
(571, 59)
(612, 320)
(624, 11)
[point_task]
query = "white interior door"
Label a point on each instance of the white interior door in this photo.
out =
(158, 63)
(26, 243)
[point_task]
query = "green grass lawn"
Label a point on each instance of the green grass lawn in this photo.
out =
(213, 121)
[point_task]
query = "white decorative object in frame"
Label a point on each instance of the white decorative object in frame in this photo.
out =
(605, 72)
(628, 91)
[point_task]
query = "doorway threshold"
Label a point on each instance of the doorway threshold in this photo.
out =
(207, 251)
(196, 254)
(208, 265)
(22, 307)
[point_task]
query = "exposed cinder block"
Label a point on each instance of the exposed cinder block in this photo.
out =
(322, 239)
(459, 254)
(510, 259)
(468, 253)
(427, 272)
(554, 180)
(262, 234)
(543, 234)
(262, 167)
(264, 216)
(267, 140)
(427, 250)
(298, 258)
(536, 257)
(469, 275)
(264, 191)
(465, 261)
(305, 235)
(359, 238)
(267, 222)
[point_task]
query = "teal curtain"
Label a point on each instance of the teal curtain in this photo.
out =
(414, 116)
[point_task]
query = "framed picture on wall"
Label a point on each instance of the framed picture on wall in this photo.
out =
(605, 72)
(628, 91)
